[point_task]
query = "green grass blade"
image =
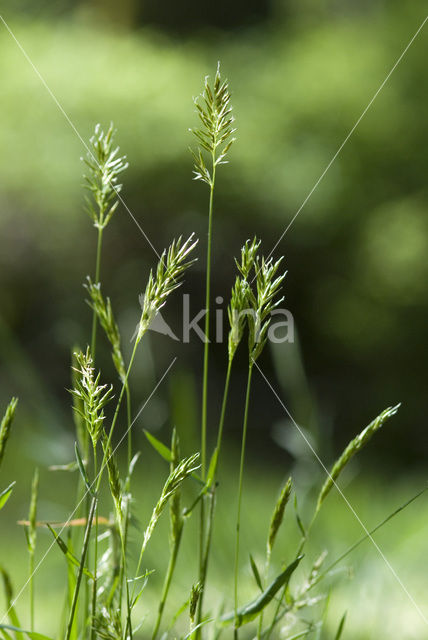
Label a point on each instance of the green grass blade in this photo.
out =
(71, 558)
(250, 611)
(256, 573)
(341, 627)
(158, 446)
(31, 634)
(5, 495)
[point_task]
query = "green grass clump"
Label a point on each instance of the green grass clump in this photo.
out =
(106, 583)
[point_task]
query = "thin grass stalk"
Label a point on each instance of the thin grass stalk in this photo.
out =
(223, 407)
(32, 536)
(203, 576)
(207, 325)
(97, 279)
(167, 583)
(82, 563)
(94, 585)
(205, 560)
(205, 382)
(123, 579)
(267, 567)
(128, 422)
(241, 476)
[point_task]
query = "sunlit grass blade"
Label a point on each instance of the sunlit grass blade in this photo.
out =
(250, 611)
(5, 494)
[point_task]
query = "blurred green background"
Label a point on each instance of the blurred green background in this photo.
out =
(301, 74)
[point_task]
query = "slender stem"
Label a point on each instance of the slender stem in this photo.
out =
(123, 575)
(241, 476)
(204, 563)
(205, 373)
(31, 590)
(94, 585)
(97, 279)
(128, 421)
(204, 571)
(267, 565)
(82, 564)
(223, 407)
(167, 582)
(207, 328)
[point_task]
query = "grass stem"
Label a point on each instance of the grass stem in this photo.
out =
(82, 564)
(167, 583)
(97, 279)
(241, 476)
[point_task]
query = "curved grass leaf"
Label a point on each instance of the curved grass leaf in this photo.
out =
(71, 558)
(158, 446)
(251, 610)
(165, 452)
(33, 635)
(5, 495)
(341, 627)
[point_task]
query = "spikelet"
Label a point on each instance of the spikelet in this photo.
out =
(93, 396)
(354, 447)
(113, 478)
(240, 300)
(171, 267)
(176, 516)
(195, 595)
(31, 530)
(215, 137)
(104, 165)
(5, 426)
(175, 479)
(268, 284)
(106, 319)
(278, 515)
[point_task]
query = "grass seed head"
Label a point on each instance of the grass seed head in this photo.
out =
(171, 267)
(104, 312)
(215, 135)
(6, 425)
(278, 514)
(91, 395)
(174, 481)
(195, 595)
(176, 516)
(268, 283)
(240, 297)
(354, 447)
(105, 165)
